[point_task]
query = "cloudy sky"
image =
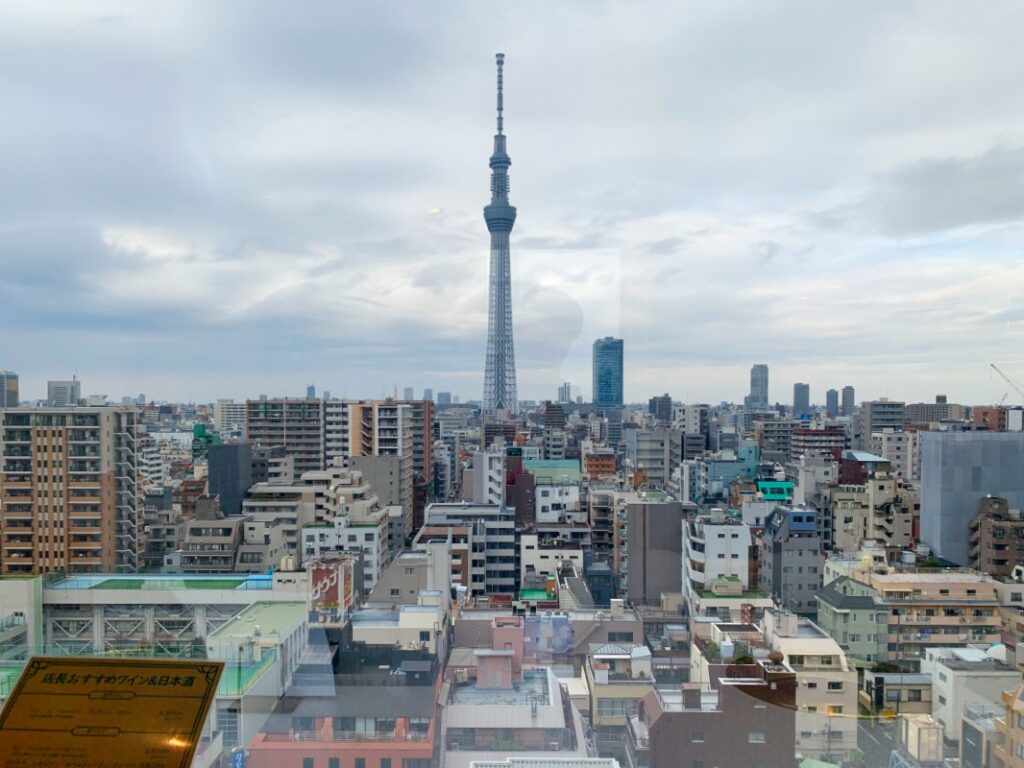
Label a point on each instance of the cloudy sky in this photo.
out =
(203, 200)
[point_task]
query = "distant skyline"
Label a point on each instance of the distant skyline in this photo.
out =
(216, 200)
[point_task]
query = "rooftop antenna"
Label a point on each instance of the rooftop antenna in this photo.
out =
(500, 58)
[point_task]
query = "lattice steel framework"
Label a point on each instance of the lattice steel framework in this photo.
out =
(500, 368)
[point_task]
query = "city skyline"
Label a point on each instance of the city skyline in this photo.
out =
(160, 238)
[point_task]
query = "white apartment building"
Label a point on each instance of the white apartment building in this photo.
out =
(494, 530)
(558, 502)
(715, 547)
(229, 416)
(367, 537)
(484, 481)
(536, 558)
(964, 676)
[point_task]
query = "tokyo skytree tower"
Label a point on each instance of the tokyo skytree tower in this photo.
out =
(500, 368)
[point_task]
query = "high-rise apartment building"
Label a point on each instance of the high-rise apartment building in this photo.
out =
(832, 403)
(849, 401)
(8, 389)
(444, 398)
(408, 393)
(385, 428)
(608, 372)
(68, 490)
(428, 394)
(500, 366)
(565, 392)
(229, 416)
(758, 397)
(297, 425)
(801, 399)
(61, 394)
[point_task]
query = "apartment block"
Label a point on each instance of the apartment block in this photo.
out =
(69, 490)
(8, 389)
(229, 416)
(877, 416)
(882, 509)
(894, 447)
(827, 441)
(296, 425)
(715, 547)
(791, 560)
(962, 676)
(650, 567)
(493, 567)
(996, 538)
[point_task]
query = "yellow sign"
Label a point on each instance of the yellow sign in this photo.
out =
(107, 713)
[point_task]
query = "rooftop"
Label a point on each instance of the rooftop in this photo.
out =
(268, 618)
(533, 689)
(163, 581)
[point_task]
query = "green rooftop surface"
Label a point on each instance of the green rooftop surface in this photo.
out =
(553, 470)
(534, 594)
(271, 618)
(170, 584)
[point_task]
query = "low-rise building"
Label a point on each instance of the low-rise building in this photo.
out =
(715, 546)
(1008, 750)
(619, 676)
(962, 676)
(745, 718)
(848, 612)
(896, 693)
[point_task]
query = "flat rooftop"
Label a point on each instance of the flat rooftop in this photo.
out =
(532, 689)
(164, 581)
(271, 618)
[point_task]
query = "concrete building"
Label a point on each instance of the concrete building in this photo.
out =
(653, 550)
(1008, 750)
(775, 438)
(62, 394)
(882, 509)
(715, 547)
(876, 416)
(366, 536)
(660, 409)
(979, 734)
(826, 685)
(801, 399)
(958, 470)
(892, 694)
(483, 482)
(895, 448)
(746, 717)
(827, 441)
(963, 676)
(928, 609)
(272, 465)
(791, 560)
(608, 372)
(229, 474)
(385, 428)
(229, 417)
(832, 403)
(297, 425)
(493, 555)
(935, 413)
(996, 538)
(618, 676)
(849, 401)
(758, 397)
(847, 611)
(69, 490)
(8, 389)
(649, 455)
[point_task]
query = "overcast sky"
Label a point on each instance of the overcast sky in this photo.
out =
(221, 199)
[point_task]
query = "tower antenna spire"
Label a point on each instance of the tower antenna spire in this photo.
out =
(500, 58)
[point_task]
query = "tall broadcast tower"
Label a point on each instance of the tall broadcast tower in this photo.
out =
(500, 369)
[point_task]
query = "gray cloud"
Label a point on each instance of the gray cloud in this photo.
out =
(224, 199)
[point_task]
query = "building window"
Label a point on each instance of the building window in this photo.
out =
(697, 736)
(914, 694)
(333, 762)
(307, 762)
(360, 762)
(835, 686)
(756, 737)
(385, 762)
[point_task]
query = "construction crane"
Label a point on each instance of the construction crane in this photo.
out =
(1017, 386)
